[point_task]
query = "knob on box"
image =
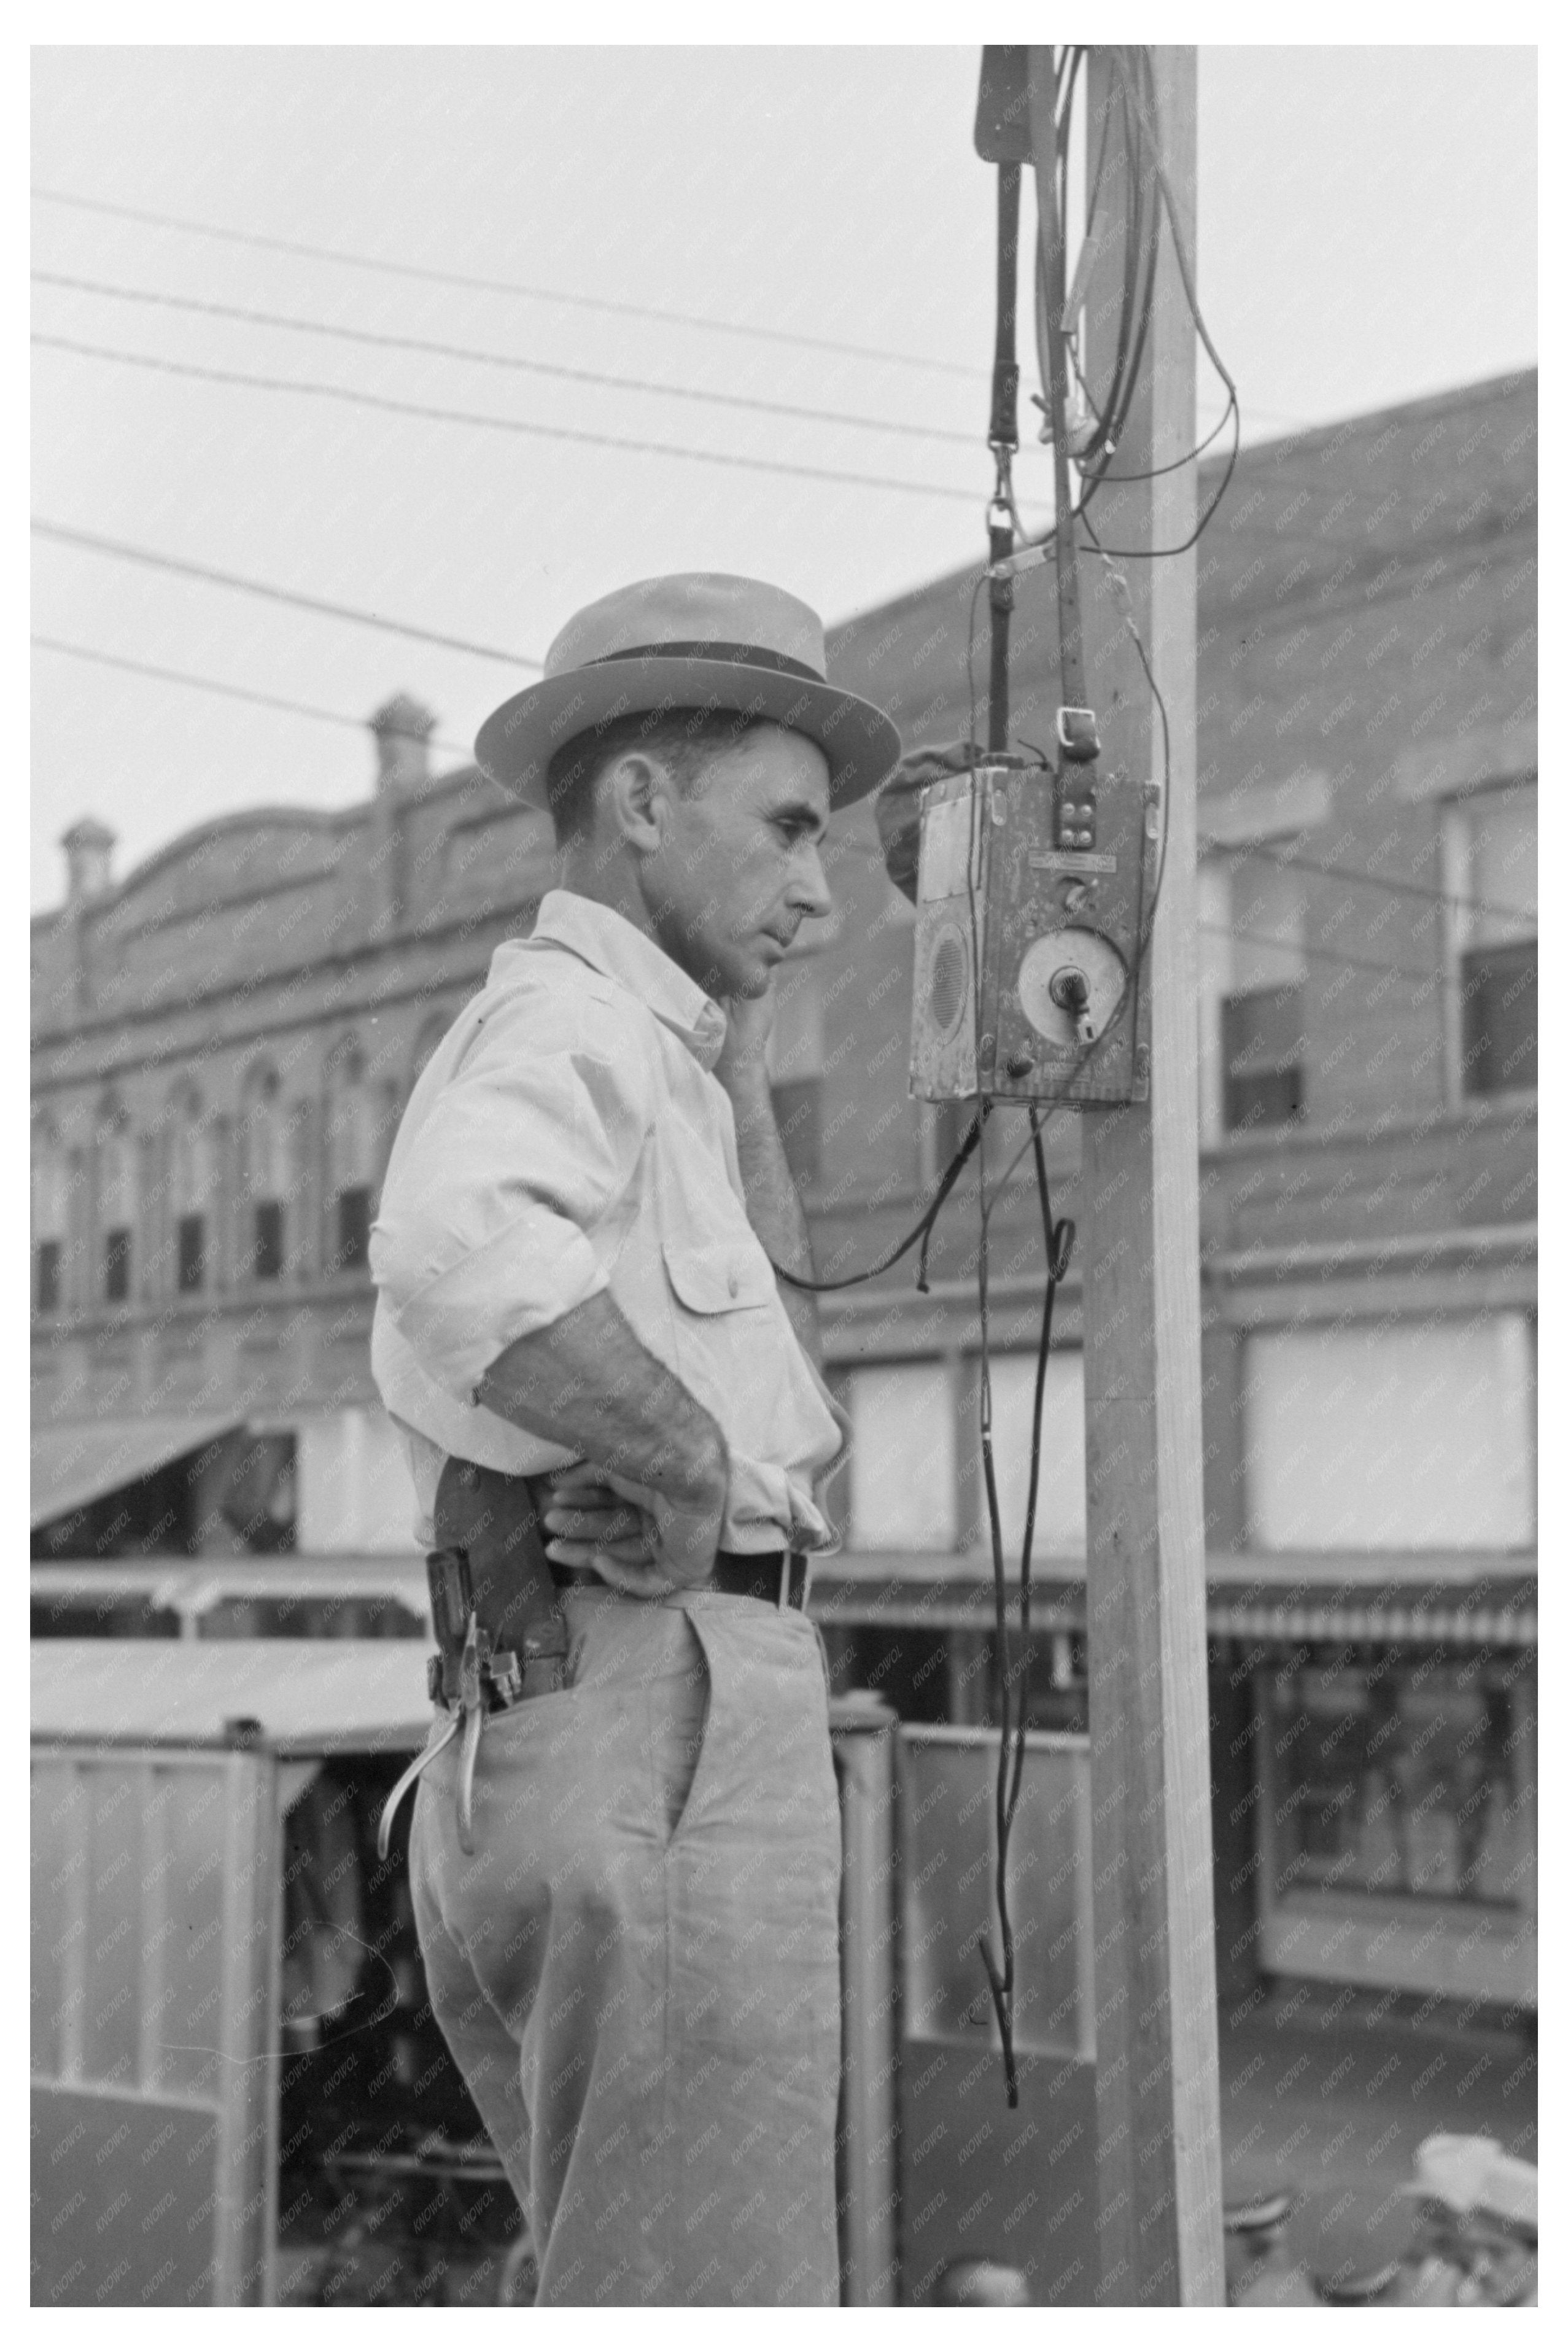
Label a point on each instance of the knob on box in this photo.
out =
(1032, 895)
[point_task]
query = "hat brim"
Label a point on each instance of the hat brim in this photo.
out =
(516, 744)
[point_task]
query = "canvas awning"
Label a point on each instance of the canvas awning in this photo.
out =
(75, 1462)
(307, 1697)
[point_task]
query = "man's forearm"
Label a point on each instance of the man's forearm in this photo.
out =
(774, 1204)
(588, 1381)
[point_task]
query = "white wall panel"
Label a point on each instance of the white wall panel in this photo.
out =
(355, 1490)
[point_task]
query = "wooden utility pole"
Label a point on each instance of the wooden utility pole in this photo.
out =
(1155, 2009)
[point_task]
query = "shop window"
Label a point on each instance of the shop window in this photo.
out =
(1489, 859)
(190, 1242)
(267, 1262)
(1397, 1781)
(902, 1483)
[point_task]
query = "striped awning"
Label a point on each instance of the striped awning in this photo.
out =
(75, 1462)
(1262, 1600)
(1482, 1618)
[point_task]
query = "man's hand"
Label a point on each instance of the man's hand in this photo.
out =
(640, 1542)
(741, 1063)
(588, 1381)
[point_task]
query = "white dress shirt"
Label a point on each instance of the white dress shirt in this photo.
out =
(567, 1136)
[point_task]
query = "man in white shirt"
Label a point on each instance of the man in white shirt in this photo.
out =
(627, 1890)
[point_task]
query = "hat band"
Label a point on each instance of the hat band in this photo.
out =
(709, 649)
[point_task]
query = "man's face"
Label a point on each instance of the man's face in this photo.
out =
(738, 867)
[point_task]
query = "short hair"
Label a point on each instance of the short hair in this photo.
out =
(686, 740)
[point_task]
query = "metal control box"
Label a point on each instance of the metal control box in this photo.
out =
(1031, 979)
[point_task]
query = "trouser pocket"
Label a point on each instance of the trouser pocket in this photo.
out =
(680, 1702)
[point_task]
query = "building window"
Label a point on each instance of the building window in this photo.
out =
(1490, 864)
(351, 1160)
(47, 1292)
(1252, 969)
(117, 1264)
(116, 1210)
(267, 1262)
(1367, 1438)
(902, 1463)
(353, 1226)
(1264, 1056)
(48, 1207)
(1060, 1520)
(266, 1175)
(189, 1239)
(192, 1189)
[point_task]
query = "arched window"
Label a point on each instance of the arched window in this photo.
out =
(191, 1186)
(49, 1196)
(264, 1165)
(116, 1203)
(351, 1155)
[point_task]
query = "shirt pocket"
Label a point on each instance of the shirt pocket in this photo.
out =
(723, 1306)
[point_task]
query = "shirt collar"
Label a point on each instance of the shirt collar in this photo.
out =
(622, 953)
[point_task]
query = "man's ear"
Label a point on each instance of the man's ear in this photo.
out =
(638, 795)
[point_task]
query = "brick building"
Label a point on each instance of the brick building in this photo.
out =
(223, 1041)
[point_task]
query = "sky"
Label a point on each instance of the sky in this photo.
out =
(1366, 235)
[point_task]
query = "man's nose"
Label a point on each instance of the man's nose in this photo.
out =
(808, 890)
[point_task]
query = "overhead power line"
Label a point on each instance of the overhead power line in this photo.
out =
(506, 286)
(220, 686)
(1371, 881)
(432, 414)
(209, 572)
(468, 351)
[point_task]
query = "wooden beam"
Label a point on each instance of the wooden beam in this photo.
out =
(1155, 2006)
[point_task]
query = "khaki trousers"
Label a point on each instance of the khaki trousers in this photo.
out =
(637, 1970)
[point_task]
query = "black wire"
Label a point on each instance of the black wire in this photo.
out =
(468, 351)
(920, 1233)
(430, 412)
(217, 686)
(215, 578)
(499, 285)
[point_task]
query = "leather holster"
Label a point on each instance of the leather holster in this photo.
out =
(490, 1578)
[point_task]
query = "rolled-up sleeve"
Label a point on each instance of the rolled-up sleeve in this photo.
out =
(483, 1233)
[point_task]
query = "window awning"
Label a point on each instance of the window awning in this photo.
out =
(1485, 1601)
(77, 1462)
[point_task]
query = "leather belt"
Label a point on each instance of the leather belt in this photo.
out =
(747, 1575)
(499, 1624)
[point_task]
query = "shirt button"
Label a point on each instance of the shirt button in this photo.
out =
(734, 1284)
